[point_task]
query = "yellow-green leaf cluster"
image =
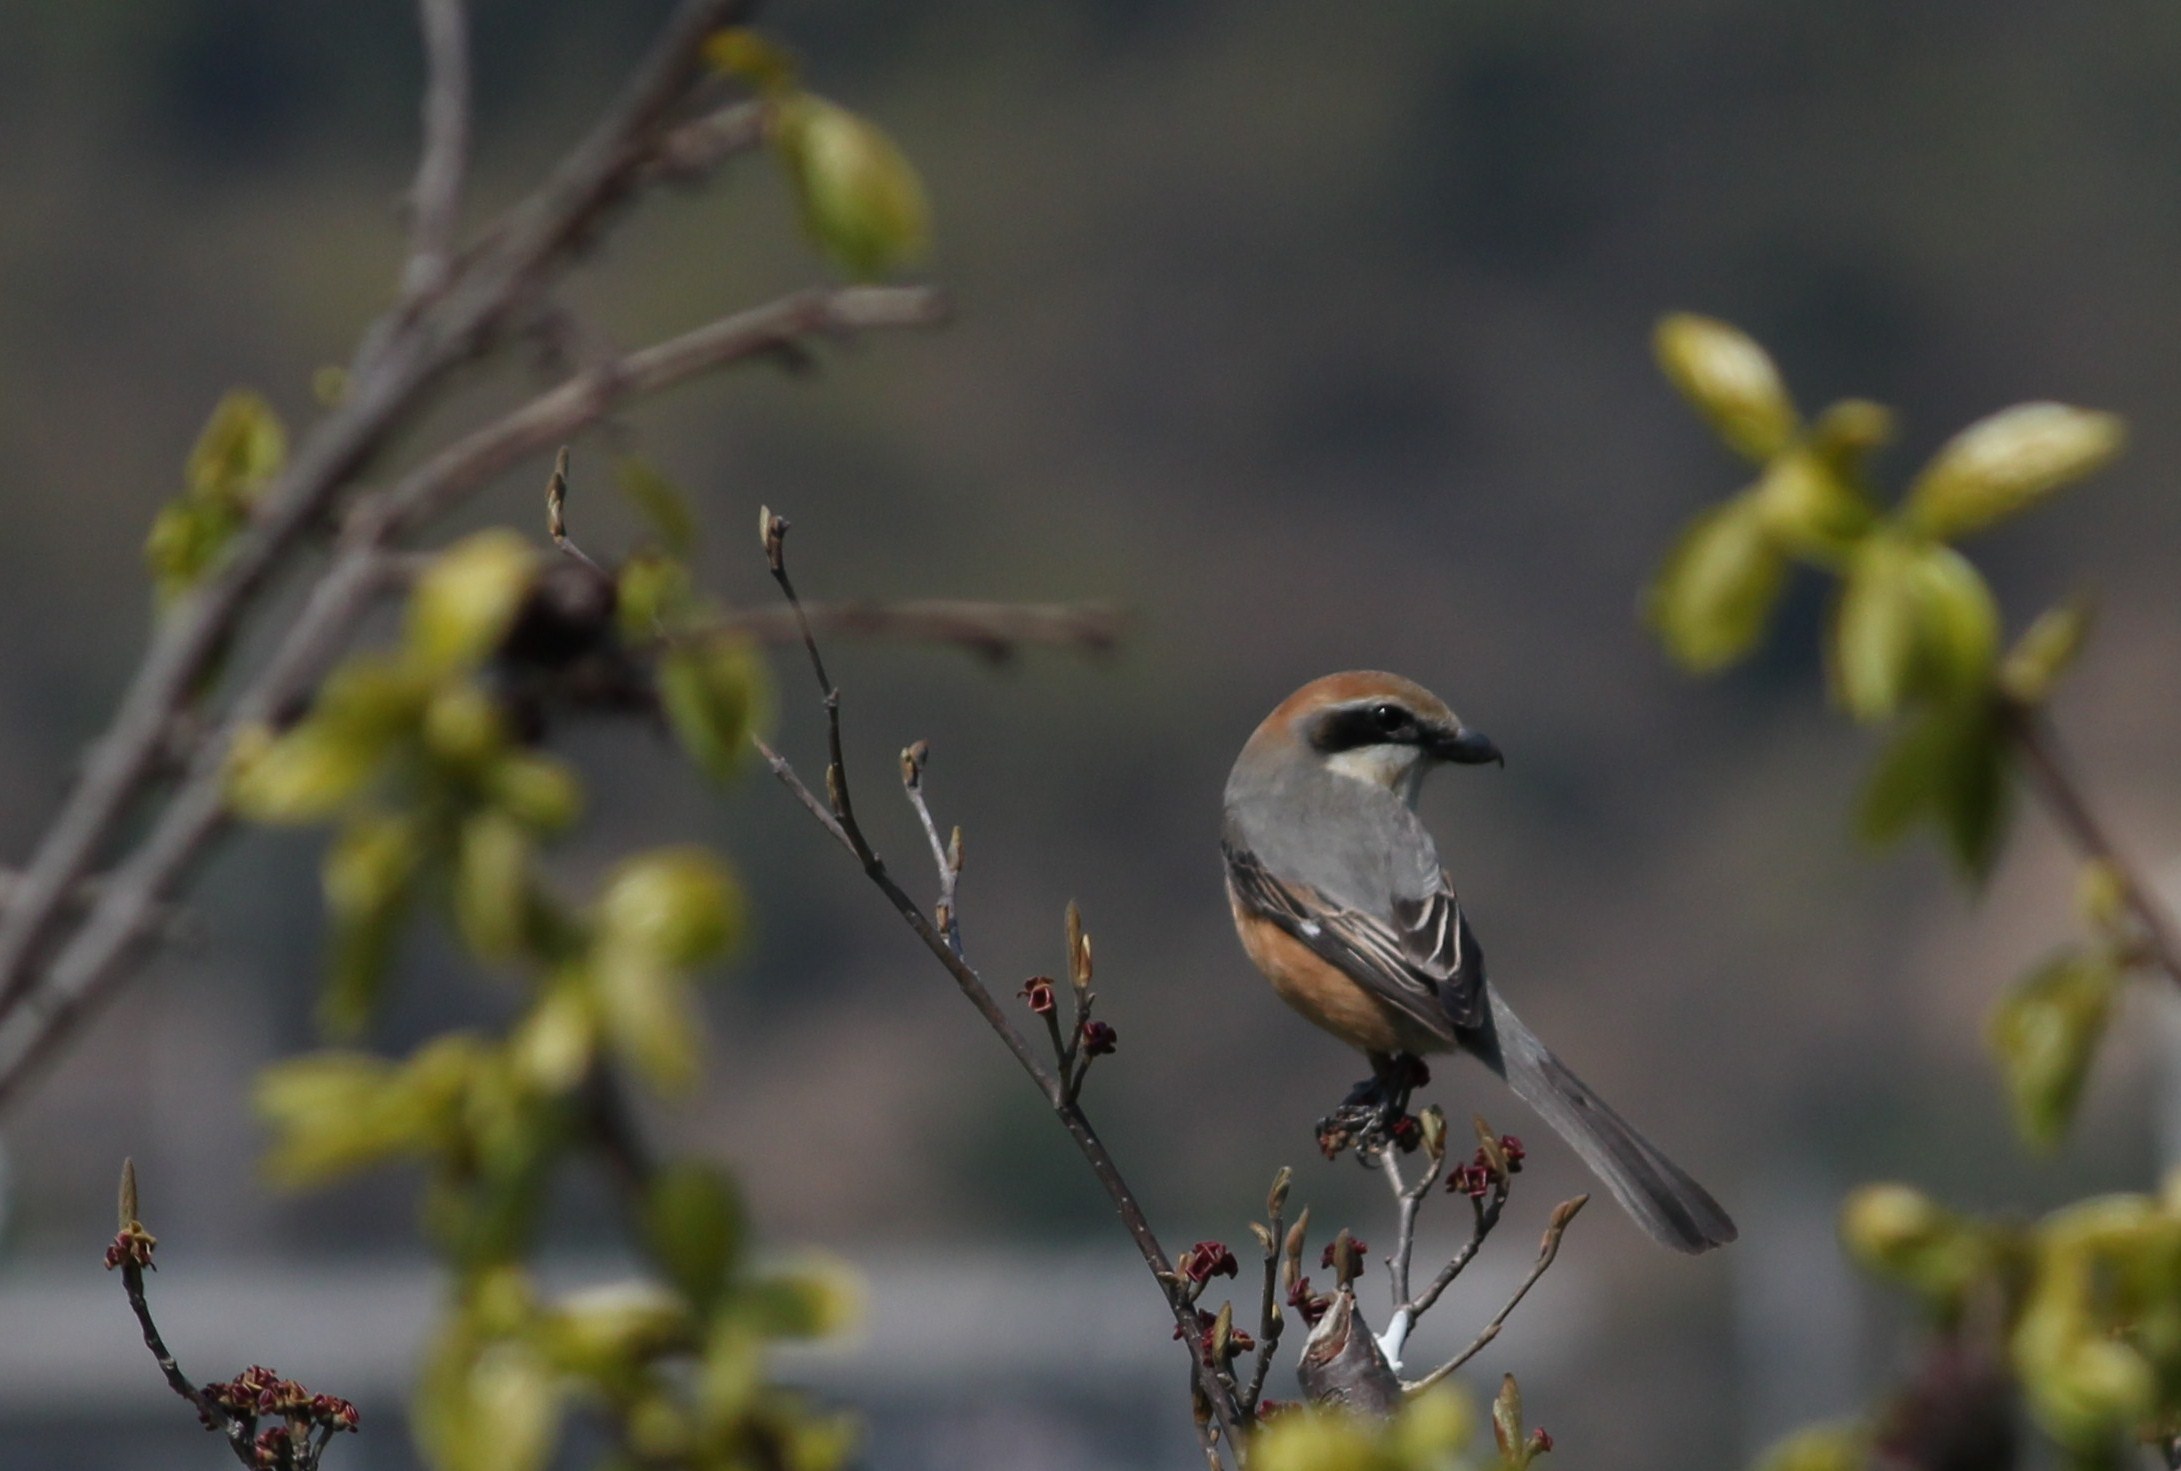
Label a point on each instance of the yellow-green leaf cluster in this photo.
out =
(240, 451)
(1915, 630)
(2046, 1034)
(2084, 1306)
(1432, 1432)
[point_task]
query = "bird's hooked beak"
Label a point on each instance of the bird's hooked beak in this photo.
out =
(1463, 747)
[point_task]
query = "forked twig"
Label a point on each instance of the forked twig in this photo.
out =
(836, 813)
(1547, 1249)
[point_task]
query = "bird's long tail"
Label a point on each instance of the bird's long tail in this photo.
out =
(1673, 1208)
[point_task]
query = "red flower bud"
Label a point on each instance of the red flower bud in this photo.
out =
(1038, 991)
(1098, 1039)
(1208, 1259)
(1363, 1249)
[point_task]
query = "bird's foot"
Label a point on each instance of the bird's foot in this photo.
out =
(1375, 1115)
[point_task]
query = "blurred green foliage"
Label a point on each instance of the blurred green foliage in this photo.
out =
(426, 761)
(2080, 1311)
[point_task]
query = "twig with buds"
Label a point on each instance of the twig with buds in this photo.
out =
(1547, 1250)
(835, 812)
(306, 1422)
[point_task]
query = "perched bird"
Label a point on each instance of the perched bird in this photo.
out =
(1340, 900)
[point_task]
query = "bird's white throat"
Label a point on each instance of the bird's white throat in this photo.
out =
(1395, 768)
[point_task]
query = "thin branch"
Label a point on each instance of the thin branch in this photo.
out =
(86, 969)
(1269, 1321)
(429, 490)
(556, 514)
(1487, 1216)
(1548, 1249)
(435, 200)
(946, 857)
(696, 148)
(837, 815)
(994, 631)
(132, 1282)
(2055, 781)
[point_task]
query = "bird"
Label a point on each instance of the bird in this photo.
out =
(1340, 899)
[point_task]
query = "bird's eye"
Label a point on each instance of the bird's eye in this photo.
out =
(1390, 718)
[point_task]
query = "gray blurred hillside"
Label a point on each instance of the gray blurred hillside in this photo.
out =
(1318, 342)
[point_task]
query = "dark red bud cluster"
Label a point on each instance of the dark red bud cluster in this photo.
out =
(1408, 1132)
(258, 1391)
(1206, 1260)
(1307, 1304)
(1363, 1249)
(1098, 1039)
(132, 1243)
(1038, 992)
(1476, 1179)
(275, 1448)
(1207, 1325)
(1540, 1442)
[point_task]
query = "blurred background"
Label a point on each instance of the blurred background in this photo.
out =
(1317, 338)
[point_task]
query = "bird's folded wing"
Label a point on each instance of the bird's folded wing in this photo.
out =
(1422, 959)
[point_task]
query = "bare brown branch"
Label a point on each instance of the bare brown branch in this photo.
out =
(435, 200)
(836, 813)
(1547, 1250)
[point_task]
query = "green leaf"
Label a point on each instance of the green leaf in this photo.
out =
(493, 1406)
(678, 906)
(1950, 766)
(1432, 1429)
(186, 541)
(1978, 801)
(2003, 465)
(465, 601)
(654, 596)
(1957, 624)
(368, 876)
(1819, 1448)
(2085, 1388)
(2044, 652)
(1874, 628)
(1811, 506)
(1900, 1233)
(2046, 1034)
(241, 449)
(307, 775)
(552, 1047)
(663, 504)
(492, 887)
(816, 1300)
(861, 198)
(712, 690)
(693, 1226)
(1714, 595)
(1314, 1440)
(1730, 380)
(463, 727)
(537, 791)
(335, 1112)
(1909, 781)
(644, 1004)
